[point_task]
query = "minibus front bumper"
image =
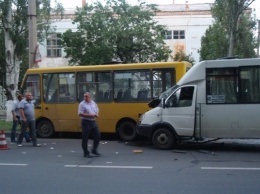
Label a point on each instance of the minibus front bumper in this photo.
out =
(144, 130)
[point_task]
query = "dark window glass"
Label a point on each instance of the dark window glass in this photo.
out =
(54, 45)
(250, 85)
(222, 85)
(59, 87)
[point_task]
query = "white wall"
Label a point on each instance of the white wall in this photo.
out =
(194, 27)
(173, 16)
(61, 27)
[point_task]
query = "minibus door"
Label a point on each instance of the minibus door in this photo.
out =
(179, 110)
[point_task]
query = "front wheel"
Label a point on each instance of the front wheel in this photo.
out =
(163, 139)
(127, 131)
(45, 129)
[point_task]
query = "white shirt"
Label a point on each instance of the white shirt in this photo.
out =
(88, 108)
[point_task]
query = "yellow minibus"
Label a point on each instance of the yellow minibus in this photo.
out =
(121, 91)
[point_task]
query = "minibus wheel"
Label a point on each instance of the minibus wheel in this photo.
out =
(45, 129)
(163, 139)
(127, 131)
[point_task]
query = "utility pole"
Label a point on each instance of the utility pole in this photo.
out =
(32, 33)
(258, 39)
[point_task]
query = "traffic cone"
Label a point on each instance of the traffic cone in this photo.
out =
(3, 143)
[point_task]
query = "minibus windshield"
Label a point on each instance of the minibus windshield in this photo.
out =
(168, 92)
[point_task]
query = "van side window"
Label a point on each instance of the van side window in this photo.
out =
(186, 96)
(181, 98)
(249, 84)
(222, 85)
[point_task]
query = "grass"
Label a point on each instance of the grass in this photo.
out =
(5, 125)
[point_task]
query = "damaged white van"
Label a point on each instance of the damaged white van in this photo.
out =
(214, 99)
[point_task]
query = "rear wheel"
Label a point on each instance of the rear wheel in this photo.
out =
(127, 131)
(163, 139)
(45, 129)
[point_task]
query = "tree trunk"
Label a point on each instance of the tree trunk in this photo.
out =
(12, 64)
(12, 67)
(231, 44)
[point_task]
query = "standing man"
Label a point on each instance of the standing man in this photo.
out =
(16, 119)
(88, 111)
(26, 108)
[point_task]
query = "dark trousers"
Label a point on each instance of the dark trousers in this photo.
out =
(89, 128)
(13, 130)
(32, 131)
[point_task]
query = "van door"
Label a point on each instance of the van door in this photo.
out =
(179, 110)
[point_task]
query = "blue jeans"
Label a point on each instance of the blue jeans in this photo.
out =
(32, 131)
(14, 127)
(89, 128)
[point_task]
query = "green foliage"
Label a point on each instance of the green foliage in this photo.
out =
(6, 125)
(215, 43)
(246, 42)
(18, 29)
(232, 32)
(181, 56)
(115, 30)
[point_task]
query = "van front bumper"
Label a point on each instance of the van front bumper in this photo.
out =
(144, 130)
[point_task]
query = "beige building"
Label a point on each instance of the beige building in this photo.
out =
(186, 24)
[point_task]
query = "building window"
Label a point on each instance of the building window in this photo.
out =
(54, 45)
(178, 34)
(168, 35)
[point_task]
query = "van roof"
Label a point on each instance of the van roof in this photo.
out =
(197, 72)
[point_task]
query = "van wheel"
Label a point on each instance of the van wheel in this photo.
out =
(45, 129)
(163, 139)
(127, 131)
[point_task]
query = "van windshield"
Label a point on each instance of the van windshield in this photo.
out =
(168, 92)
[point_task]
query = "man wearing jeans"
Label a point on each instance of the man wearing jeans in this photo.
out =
(88, 111)
(16, 120)
(27, 118)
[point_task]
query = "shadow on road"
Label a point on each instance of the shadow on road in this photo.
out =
(240, 145)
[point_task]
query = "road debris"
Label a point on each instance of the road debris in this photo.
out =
(138, 151)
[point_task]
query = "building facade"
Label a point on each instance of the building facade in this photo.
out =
(186, 24)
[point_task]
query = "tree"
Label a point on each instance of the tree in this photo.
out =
(246, 43)
(115, 30)
(14, 25)
(214, 44)
(181, 56)
(229, 16)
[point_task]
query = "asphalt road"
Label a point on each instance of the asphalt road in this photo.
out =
(58, 167)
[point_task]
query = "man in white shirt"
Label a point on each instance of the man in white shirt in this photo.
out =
(88, 111)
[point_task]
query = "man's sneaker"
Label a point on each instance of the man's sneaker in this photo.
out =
(28, 140)
(19, 145)
(37, 145)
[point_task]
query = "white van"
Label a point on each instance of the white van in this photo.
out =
(214, 99)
